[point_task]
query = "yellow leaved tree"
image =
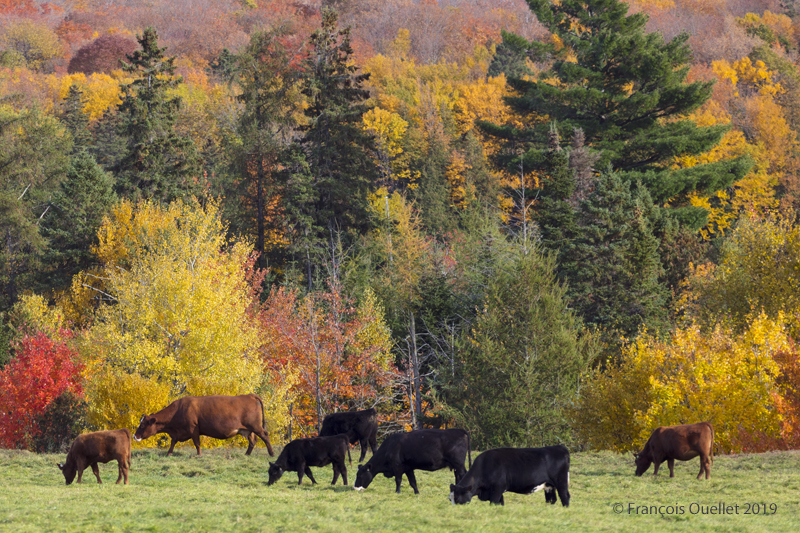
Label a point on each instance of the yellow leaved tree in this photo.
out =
(721, 377)
(177, 318)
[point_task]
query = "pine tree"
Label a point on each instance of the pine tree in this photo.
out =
(612, 267)
(626, 90)
(158, 162)
(77, 211)
(335, 144)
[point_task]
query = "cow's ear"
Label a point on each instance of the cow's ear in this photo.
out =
(271, 463)
(60, 466)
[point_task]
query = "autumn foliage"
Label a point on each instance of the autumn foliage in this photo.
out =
(42, 371)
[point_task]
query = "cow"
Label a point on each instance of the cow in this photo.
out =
(98, 447)
(360, 426)
(678, 442)
(300, 454)
(218, 417)
(423, 449)
(519, 470)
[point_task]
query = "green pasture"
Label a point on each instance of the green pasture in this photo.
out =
(224, 490)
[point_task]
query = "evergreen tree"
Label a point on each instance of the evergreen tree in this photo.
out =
(34, 156)
(75, 120)
(77, 211)
(554, 213)
(266, 75)
(510, 57)
(158, 163)
(612, 266)
(521, 362)
(626, 90)
(335, 144)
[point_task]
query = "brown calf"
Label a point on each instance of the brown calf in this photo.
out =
(99, 447)
(218, 417)
(678, 442)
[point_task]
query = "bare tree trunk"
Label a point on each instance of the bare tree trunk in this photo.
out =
(415, 370)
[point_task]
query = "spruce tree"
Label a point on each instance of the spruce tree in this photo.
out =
(158, 162)
(520, 364)
(337, 150)
(626, 90)
(75, 120)
(76, 212)
(612, 266)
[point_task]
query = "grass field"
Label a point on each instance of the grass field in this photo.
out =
(224, 490)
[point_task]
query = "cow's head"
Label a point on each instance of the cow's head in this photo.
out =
(275, 472)
(68, 470)
(364, 477)
(643, 461)
(147, 428)
(460, 495)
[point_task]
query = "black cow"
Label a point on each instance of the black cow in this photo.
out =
(300, 454)
(424, 449)
(360, 426)
(520, 470)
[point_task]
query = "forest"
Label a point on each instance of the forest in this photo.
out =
(543, 221)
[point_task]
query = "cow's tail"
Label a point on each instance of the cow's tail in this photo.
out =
(469, 451)
(263, 416)
(711, 454)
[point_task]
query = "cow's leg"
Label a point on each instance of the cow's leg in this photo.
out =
(671, 465)
(412, 480)
(300, 475)
(96, 472)
(335, 474)
(310, 475)
(343, 470)
(563, 494)
(656, 464)
(460, 472)
(172, 444)
(373, 442)
(125, 465)
(496, 496)
(363, 445)
(550, 494)
(121, 468)
(398, 479)
(196, 440)
(265, 437)
(705, 465)
(79, 467)
(251, 441)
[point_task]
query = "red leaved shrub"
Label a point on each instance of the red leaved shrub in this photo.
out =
(42, 371)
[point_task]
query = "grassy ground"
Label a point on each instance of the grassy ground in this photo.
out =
(224, 490)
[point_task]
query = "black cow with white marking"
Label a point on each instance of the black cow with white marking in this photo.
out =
(300, 454)
(360, 426)
(520, 470)
(423, 449)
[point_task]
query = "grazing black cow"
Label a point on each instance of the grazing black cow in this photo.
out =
(360, 426)
(300, 454)
(520, 470)
(424, 449)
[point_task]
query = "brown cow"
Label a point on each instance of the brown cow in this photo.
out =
(218, 417)
(99, 447)
(678, 442)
